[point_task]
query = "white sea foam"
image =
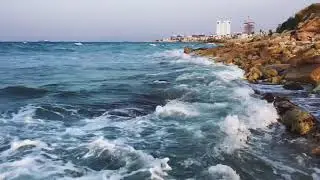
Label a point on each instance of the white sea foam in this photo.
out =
(160, 82)
(188, 76)
(36, 166)
(154, 45)
(229, 74)
(157, 168)
(223, 172)
(176, 109)
(257, 114)
(180, 57)
(17, 144)
(316, 174)
(236, 134)
(25, 115)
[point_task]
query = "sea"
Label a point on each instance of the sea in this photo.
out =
(136, 111)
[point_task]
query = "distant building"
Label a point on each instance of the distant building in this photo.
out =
(248, 27)
(223, 28)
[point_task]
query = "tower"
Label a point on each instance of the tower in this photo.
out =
(248, 26)
(223, 28)
(218, 28)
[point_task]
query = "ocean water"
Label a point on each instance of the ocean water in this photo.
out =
(137, 111)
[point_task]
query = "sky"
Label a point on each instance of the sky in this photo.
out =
(134, 20)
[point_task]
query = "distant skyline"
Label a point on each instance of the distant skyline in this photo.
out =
(138, 20)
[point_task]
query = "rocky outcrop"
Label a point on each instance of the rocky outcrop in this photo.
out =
(309, 28)
(296, 119)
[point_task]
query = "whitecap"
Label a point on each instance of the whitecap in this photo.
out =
(223, 172)
(157, 168)
(257, 114)
(160, 82)
(176, 109)
(236, 134)
(17, 144)
(154, 45)
(180, 57)
(230, 73)
(25, 114)
(191, 76)
(78, 44)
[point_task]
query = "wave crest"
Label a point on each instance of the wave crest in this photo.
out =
(176, 109)
(223, 172)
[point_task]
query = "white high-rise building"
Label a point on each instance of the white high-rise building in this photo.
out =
(218, 32)
(223, 28)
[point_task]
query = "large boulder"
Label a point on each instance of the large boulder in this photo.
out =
(296, 119)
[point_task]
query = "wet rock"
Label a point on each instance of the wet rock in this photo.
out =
(316, 151)
(268, 97)
(296, 119)
(187, 50)
(292, 86)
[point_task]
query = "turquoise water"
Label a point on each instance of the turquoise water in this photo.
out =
(136, 111)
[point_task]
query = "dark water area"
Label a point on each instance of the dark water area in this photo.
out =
(138, 111)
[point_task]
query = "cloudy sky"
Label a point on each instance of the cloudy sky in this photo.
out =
(133, 20)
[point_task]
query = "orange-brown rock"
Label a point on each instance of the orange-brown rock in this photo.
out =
(296, 119)
(309, 29)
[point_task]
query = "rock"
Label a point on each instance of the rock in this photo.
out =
(292, 86)
(254, 74)
(304, 59)
(309, 73)
(187, 50)
(316, 151)
(268, 97)
(280, 68)
(269, 73)
(293, 117)
(317, 45)
(309, 29)
(276, 80)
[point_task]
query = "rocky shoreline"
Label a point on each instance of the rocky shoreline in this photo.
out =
(290, 58)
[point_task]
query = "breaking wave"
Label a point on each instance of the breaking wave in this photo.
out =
(223, 172)
(176, 109)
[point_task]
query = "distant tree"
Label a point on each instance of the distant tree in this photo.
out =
(270, 32)
(290, 24)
